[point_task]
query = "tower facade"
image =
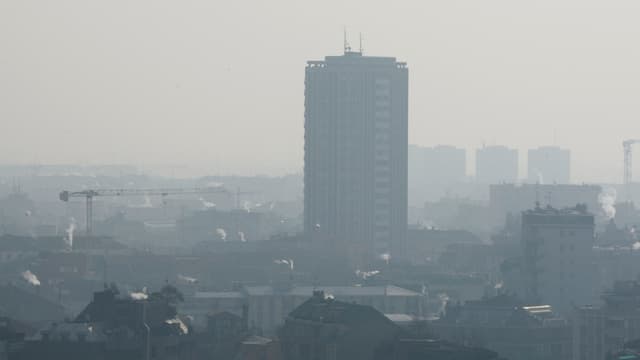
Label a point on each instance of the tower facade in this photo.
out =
(355, 163)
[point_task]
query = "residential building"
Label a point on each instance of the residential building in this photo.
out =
(601, 331)
(268, 305)
(558, 264)
(496, 164)
(549, 165)
(328, 329)
(507, 326)
(512, 199)
(355, 162)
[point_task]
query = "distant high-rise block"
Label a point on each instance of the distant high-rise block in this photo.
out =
(442, 164)
(496, 164)
(355, 163)
(549, 165)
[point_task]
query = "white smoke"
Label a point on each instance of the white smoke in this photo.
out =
(246, 206)
(222, 234)
(366, 274)
(187, 279)
(607, 200)
(288, 262)
(70, 230)
(241, 236)
(139, 295)
(636, 245)
(386, 257)
(499, 285)
(207, 204)
(31, 278)
(444, 299)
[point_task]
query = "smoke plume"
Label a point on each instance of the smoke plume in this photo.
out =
(70, 230)
(222, 234)
(607, 200)
(31, 278)
(366, 274)
(288, 262)
(187, 279)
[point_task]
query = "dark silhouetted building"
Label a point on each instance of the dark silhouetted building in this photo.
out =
(324, 328)
(355, 163)
(496, 164)
(549, 165)
(113, 326)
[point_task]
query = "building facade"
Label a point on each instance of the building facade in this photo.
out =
(505, 325)
(268, 306)
(558, 265)
(355, 162)
(601, 331)
(512, 199)
(549, 165)
(496, 164)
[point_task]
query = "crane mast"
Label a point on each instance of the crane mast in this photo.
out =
(628, 165)
(90, 194)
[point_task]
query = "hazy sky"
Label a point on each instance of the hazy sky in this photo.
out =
(218, 85)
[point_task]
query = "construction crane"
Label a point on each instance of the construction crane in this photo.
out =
(90, 194)
(628, 165)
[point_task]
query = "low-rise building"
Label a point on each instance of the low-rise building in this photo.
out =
(601, 331)
(269, 305)
(507, 326)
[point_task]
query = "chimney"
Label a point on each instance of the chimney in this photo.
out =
(245, 317)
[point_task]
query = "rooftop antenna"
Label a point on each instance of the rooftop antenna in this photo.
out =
(347, 47)
(361, 49)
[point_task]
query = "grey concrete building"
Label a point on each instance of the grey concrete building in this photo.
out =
(601, 331)
(558, 267)
(512, 199)
(549, 165)
(496, 164)
(507, 326)
(355, 162)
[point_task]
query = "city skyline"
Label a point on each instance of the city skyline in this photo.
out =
(147, 104)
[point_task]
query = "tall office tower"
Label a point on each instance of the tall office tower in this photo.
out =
(355, 162)
(558, 267)
(496, 164)
(549, 165)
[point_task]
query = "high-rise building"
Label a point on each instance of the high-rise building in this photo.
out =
(442, 164)
(496, 164)
(549, 165)
(558, 267)
(355, 163)
(435, 172)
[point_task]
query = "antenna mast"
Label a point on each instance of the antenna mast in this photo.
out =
(361, 49)
(347, 47)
